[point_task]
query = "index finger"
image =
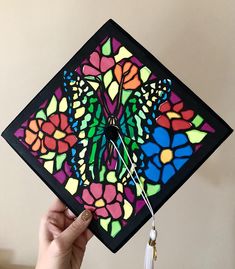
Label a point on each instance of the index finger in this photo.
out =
(57, 206)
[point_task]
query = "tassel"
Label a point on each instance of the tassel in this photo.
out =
(151, 251)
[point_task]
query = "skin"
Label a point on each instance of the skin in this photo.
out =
(62, 238)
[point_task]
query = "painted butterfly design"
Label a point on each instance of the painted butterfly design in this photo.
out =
(111, 87)
(90, 114)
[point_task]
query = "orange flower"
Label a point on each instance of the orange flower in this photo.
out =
(128, 75)
(34, 136)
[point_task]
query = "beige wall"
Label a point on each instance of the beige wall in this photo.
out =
(194, 39)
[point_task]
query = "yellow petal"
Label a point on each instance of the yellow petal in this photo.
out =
(100, 203)
(79, 112)
(76, 104)
(49, 166)
(93, 84)
(127, 209)
(72, 185)
(166, 156)
(113, 89)
(58, 134)
(172, 115)
(122, 54)
(120, 187)
(63, 105)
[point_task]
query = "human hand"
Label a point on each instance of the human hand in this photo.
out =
(62, 240)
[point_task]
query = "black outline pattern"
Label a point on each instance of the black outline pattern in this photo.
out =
(211, 143)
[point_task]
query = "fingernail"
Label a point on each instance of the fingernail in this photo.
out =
(86, 215)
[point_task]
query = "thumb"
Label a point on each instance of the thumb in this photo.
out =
(76, 228)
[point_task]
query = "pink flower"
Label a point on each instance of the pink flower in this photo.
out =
(98, 65)
(103, 200)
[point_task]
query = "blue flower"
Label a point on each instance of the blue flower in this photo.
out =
(166, 155)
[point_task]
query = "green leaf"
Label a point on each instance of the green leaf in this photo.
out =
(127, 140)
(105, 223)
(95, 123)
(142, 115)
(92, 78)
(98, 78)
(197, 120)
(125, 95)
(153, 189)
(108, 77)
(138, 122)
(84, 100)
(134, 146)
(125, 157)
(96, 138)
(132, 100)
(140, 140)
(102, 171)
(59, 160)
(91, 132)
(123, 170)
(91, 168)
(41, 115)
(98, 111)
(138, 186)
(85, 121)
(91, 108)
(131, 131)
(111, 177)
(93, 100)
(115, 228)
(106, 48)
(144, 73)
(134, 108)
(49, 156)
(195, 136)
(52, 106)
(137, 93)
(130, 122)
(93, 151)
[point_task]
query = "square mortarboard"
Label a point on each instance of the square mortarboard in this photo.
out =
(112, 83)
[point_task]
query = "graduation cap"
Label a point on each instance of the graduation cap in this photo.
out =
(117, 133)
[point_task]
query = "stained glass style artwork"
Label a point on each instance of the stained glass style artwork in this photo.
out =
(113, 81)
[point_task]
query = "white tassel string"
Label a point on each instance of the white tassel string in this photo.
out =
(144, 195)
(150, 251)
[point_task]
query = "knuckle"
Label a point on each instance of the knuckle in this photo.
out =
(49, 218)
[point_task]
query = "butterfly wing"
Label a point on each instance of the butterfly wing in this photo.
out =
(139, 118)
(87, 121)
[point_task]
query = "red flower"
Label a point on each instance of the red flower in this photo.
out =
(58, 135)
(104, 201)
(173, 116)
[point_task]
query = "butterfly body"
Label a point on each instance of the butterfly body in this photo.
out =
(128, 117)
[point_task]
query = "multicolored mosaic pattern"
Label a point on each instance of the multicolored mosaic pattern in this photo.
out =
(112, 87)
